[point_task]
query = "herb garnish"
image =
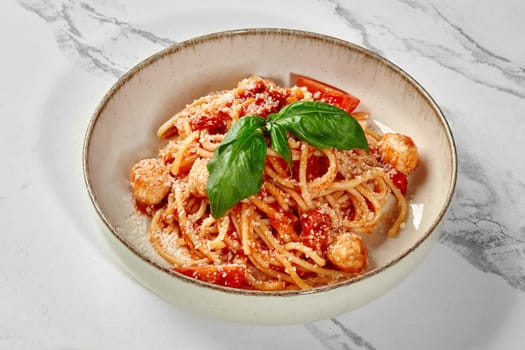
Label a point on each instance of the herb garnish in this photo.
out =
(236, 168)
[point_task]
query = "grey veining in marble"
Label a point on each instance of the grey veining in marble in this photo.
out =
(475, 232)
(485, 66)
(104, 51)
(333, 335)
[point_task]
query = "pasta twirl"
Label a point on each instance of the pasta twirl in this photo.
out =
(305, 226)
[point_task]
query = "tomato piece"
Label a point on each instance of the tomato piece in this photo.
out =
(215, 124)
(400, 180)
(229, 275)
(314, 229)
(265, 103)
(329, 94)
(317, 167)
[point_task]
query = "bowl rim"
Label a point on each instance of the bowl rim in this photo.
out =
(247, 32)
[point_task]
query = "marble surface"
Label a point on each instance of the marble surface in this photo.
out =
(59, 286)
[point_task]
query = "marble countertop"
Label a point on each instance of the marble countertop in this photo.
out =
(59, 286)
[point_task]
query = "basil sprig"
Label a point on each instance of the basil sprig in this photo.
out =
(236, 168)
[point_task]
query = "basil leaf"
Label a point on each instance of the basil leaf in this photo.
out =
(236, 168)
(280, 142)
(243, 126)
(322, 125)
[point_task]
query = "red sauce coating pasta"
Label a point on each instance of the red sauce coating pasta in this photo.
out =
(305, 227)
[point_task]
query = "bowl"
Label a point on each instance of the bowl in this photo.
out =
(123, 130)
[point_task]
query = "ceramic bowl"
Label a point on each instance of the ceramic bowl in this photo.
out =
(123, 130)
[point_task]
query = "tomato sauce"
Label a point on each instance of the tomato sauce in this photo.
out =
(230, 275)
(400, 180)
(314, 230)
(214, 124)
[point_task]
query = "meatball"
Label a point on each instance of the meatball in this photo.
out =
(399, 151)
(150, 181)
(348, 253)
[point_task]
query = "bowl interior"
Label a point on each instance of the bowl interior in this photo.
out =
(123, 129)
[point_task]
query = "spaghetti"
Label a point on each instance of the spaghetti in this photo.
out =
(305, 226)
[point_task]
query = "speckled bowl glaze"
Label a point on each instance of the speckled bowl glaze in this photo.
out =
(123, 130)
